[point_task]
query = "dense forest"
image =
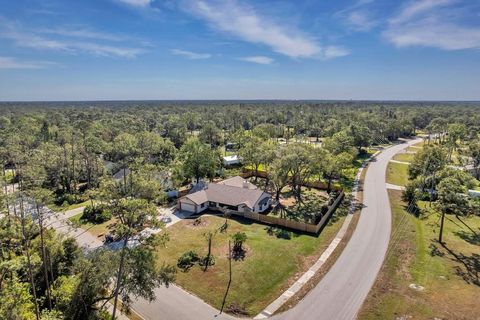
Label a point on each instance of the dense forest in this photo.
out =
(121, 158)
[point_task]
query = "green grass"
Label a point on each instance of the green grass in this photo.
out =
(9, 175)
(397, 173)
(404, 157)
(98, 230)
(415, 256)
(56, 208)
(261, 167)
(258, 279)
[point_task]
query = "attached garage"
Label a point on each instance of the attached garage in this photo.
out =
(194, 203)
(185, 206)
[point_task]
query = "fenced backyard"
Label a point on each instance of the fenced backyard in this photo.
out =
(291, 224)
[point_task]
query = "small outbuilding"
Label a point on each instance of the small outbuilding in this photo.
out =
(231, 160)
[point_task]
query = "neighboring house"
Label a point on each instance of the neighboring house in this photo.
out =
(231, 160)
(234, 194)
(119, 174)
(110, 166)
(474, 193)
(229, 146)
(469, 168)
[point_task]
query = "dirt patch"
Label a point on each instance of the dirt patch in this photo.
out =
(197, 223)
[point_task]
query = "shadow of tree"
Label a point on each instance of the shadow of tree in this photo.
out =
(238, 254)
(434, 251)
(472, 238)
(283, 234)
(470, 272)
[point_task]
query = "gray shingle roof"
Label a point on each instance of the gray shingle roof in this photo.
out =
(238, 182)
(229, 192)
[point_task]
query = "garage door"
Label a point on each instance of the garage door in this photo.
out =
(187, 207)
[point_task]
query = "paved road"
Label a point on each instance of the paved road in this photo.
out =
(174, 303)
(342, 291)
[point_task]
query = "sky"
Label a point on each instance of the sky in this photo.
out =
(239, 49)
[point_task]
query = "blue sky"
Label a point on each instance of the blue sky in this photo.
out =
(239, 49)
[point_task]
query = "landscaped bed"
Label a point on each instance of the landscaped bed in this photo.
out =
(274, 259)
(314, 203)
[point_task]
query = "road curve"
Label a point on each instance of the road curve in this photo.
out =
(340, 294)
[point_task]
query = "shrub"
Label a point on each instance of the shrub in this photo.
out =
(66, 199)
(187, 260)
(238, 239)
(207, 261)
(96, 214)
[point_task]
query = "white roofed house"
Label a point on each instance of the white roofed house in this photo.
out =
(231, 160)
(235, 194)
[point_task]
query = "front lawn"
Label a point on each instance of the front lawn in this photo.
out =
(397, 173)
(422, 279)
(274, 260)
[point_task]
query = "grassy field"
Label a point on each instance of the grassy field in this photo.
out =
(405, 157)
(397, 173)
(272, 262)
(98, 230)
(70, 207)
(449, 274)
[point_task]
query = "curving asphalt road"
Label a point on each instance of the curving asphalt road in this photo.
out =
(342, 291)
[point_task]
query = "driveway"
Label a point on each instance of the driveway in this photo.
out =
(173, 215)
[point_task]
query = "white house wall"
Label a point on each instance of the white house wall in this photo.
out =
(256, 208)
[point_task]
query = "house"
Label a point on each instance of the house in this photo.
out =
(474, 193)
(235, 194)
(231, 160)
(119, 175)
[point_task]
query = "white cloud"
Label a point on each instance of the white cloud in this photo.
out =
(258, 59)
(430, 23)
(360, 20)
(332, 52)
(82, 33)
(358, 16)
(13, 63)
(416, 8)
(28, 39)
(137, 3)
(191, 55)
(245, 23)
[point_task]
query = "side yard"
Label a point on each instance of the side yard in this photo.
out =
(397, 173)
(422, 279)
